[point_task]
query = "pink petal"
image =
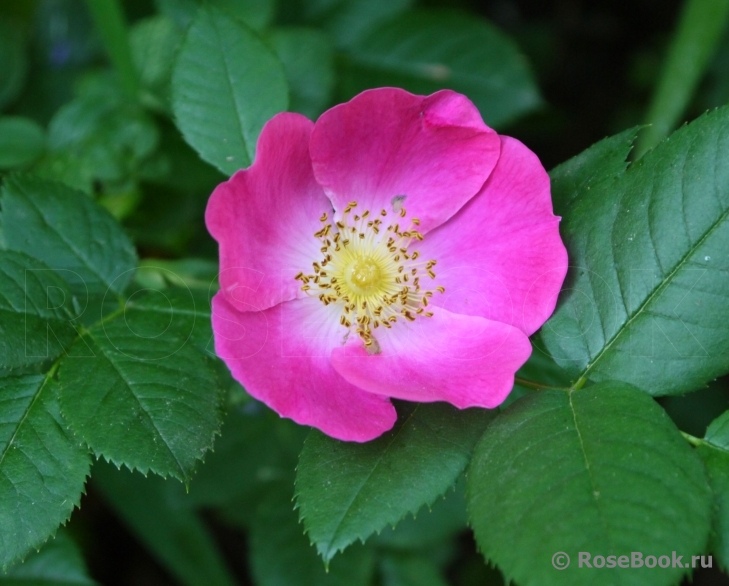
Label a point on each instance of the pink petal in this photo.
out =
(264, 217)
(501, 256)
(281, 355)
(434, 149)
(465, 360)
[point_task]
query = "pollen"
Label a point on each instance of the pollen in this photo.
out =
(369, 273)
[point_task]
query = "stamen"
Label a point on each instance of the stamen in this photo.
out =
(370, 280)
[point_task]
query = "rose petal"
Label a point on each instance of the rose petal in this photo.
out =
(264, 217)
(435, 150)
(501, 256)
(281, 356)
(465, 360)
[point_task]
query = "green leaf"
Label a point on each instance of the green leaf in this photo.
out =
(603, 160)
(144, 395)
(341, 486)
(601, 470)
(182, 12)
(648, 287)
(35, 316)
(308, 60)
(225, 85)
(155, 511)
(69, 232)
(349, 20)
(281, 555)
(257, 14)
(717, 434)
(714, 451)
(424, 51)
(21, 141)
(42, 466)
(430, 526)
(58, 563)
(179, 168)
(186, 313)
(98, 137)
(15, 63)
(154, 42)
(539, 367)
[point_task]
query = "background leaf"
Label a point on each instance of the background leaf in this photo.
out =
(649, 276)
(154, 43)
(281, 555)
(100, 137)
(21, 141)
(308, 60)
(225, 85)
(238, 474)
(14, 60)
(42, 466)
(255, 13)
(349, 20)
(424, 51)
(342, 487)
(411, 570)
(156, 512)
(601, 470)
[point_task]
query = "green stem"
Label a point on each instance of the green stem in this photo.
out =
(535, 385)
(109, 19)
(694, 441)
(82, 331)
(699, 31)
(579, 384)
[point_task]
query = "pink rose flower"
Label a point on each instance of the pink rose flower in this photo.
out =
(396, 248)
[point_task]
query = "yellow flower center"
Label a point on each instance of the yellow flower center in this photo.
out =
(363, 275)
(369, 272)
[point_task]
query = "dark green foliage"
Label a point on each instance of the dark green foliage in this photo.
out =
(226, 84)
(59, 563)
(341, 487)
(120, 118)
(425, 51)
(42, 466)
(602, 470)
(648, 273)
